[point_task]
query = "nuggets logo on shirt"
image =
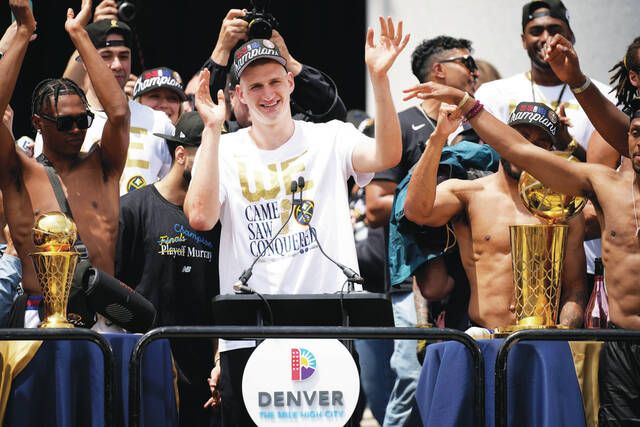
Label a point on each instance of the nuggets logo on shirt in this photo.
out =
(135, 182)
(304, 212)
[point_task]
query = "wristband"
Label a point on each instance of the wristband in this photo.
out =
(464, 100)
(477, 107)
(581, 88)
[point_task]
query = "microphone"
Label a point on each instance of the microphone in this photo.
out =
(350, 274)
(240, 286)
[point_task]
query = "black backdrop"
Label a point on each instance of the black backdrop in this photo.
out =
(328, 34)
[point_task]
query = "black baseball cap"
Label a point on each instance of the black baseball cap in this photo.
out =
(556, 10)
(156, 78)
(252, 51)
(536, 114)
(188, 130)
(99, 30)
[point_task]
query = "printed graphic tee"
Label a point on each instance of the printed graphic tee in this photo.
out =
(256, 200)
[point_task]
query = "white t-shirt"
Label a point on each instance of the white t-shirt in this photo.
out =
(148, 158)
(255, 197)
(500, 98)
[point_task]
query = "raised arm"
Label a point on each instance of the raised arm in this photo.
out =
(12, 60)
(10, 65)
(553, 171)
(202, 203)
(387, 150)
(610, 122)
(426, 202)
(115, 135)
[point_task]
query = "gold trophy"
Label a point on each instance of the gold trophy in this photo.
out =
(54, 235)
(538, 252)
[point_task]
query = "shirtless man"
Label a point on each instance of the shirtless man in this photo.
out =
(482, 211)
(60, 114)
(615, 196)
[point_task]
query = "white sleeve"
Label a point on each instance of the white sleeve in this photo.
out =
(165, 156)
(347, 138)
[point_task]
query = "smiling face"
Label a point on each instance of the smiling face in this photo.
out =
(165, 100)
(63, 143)
(265, 88)
(537, 32)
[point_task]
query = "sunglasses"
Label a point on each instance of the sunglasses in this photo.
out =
(65, 123)
(467, 61)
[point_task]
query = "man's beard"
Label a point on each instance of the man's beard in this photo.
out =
(506, 165)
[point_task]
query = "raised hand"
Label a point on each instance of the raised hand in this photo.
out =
(563, 59)
(213, 115)
(449, 118)
(232, 30)
(107, 9)
(380, 56)
(431, 90)
(563, 138)
(24, 15)
(77, 22)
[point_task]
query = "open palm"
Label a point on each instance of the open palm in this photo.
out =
(76, 22)
(213, 115)
(381, 55)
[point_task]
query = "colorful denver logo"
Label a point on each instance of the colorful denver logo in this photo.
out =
(303, 364)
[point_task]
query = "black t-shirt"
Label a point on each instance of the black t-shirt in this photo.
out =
(416, 129)
(176, 268)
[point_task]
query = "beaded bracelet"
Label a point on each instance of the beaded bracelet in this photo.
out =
(477, 107)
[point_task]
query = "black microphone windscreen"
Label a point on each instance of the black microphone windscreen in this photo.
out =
(301, 182)
(294, 186)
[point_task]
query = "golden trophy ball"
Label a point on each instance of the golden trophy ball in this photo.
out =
(538, 252)
(54, 235)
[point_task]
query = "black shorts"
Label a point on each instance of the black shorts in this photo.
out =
(619, 384)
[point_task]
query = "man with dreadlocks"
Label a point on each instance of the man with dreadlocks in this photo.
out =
(60, 113)
(612, 123)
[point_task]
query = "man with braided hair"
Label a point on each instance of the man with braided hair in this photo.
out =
(60, 113)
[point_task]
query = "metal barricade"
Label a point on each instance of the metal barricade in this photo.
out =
(254, 332)
(545, 335)
(77, 334)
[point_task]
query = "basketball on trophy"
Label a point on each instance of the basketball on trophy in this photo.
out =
(54, 232)
(546, 204)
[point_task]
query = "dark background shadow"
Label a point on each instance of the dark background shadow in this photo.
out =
(181, 34)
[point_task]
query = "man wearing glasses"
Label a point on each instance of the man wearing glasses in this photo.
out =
(444, 60)
(61, 114)
(541, 20)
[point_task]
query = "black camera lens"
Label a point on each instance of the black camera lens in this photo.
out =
(260, 28)
(126, 11)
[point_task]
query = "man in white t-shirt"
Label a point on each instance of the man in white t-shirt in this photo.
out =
(148, 158)
(541, 20)
(244, 179)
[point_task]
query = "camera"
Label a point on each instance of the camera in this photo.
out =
(261, 22)
(126, 10)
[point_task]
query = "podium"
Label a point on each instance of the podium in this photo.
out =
(347, 309)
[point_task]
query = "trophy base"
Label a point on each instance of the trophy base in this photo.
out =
(56, 322)
(505, 331)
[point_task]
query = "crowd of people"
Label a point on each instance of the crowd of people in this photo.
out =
(184, 192)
